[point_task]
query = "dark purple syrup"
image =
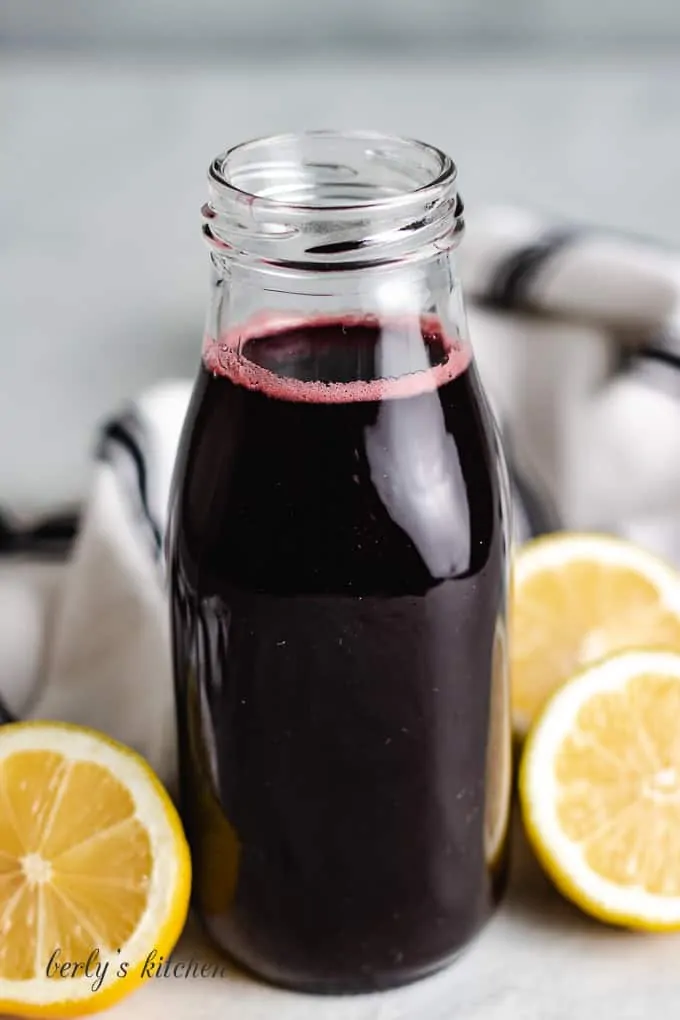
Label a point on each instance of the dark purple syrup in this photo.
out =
(337, 566)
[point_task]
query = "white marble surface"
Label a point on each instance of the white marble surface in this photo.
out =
(539, 959)
(102, 270)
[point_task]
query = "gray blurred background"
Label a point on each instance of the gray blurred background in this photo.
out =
(110, 112)
(224, 26)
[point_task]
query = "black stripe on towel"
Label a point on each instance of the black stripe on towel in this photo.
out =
(52, 535)
(120, 433)
(510, 284)
(661, 354)
(5, 714)
(663, 351)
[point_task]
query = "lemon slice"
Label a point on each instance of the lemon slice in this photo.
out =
(94, 870)
(578, 598)
(600, 789)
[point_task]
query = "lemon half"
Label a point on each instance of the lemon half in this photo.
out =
(600, 789)
(94, 866)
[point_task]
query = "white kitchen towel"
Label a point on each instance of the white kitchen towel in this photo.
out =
(108, 660)
(579, 334)
(91, 643)
(624, 459)
(513, 258)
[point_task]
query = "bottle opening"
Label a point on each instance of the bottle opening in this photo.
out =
(329, 169)
(329, 197)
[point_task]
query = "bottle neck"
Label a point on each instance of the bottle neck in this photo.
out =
(246, 297)
(333, 225)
